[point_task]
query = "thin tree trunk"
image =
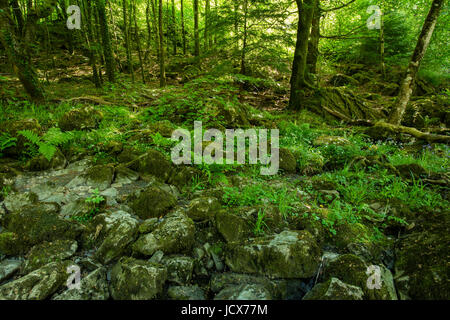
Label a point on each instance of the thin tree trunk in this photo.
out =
(126, 35)
(149, 31)
(183, 31)
(155, 27)
(244, 40)
(92, 52)
(382, 42)
(106, 41)
(313, 45)
(174, 29)
(207, 19)
(299, 66)
(162, 68)
(421, 48)
(196, 33)
(138, 42)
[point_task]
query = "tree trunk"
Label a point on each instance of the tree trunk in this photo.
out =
(138, 41)
(207, 17)
(382, 42)
(126, 35)
(196, 34)
(183, 31)
(244, 40)
(106, 41)
(313, 45)
(174, 29)
(421, 48)
(162, 67)
(92, 52)
(298, 78)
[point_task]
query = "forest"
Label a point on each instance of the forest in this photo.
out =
(224, 150)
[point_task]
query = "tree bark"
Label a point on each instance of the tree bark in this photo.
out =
(183, 31)
(126, 35)
(244, 40)
(313, 45)
(106, 41)
(299, 66)
(162, 67)
(196, 32)
(421, 48)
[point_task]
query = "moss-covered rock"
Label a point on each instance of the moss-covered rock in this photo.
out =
(288, 163)
(36, 285)
(244, 292)
(334, 289)
(13, 127)
(94, 286)
(148, 225)
(204, 208)
(117, 231)
(48, 252)
(233, 227)
(185, 293)
(179, 269)
(37, 223)
(85, 118)
(8, 268)
(421, 266)
(153, 163)
(133, 279)
(290, 254)
(152, 202)
(40, 163)
(353, 270)
(174, 235)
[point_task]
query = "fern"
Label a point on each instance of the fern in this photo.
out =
(6, 141)
(48, 142)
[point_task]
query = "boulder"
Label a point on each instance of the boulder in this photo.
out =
(8, 268)
(203, 208)
(12, 128)
(47, 252)
(133, 279)
(152, 202)
(152, 163)
(97, 177)
(179, 269)
(85, 118)
(334, 289)
(185, 293)
(288, 163)
(36, 285)
(289, 254)
(233, 227)
(244, 292)
(94, 286)
(175, 234)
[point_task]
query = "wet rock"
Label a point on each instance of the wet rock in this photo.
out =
(233, 227)
(152, 202)
(334, 289)
(182, 176)
(244, 292)
(173, 235)
(36, 285)
(288, 163)
(133, 279)
(148, 225)
(185, 293)
(116, 232)
(94, 286)
(353, 270)
(85, 118)
(47, 252)
(203, 208)
(8, 268)
(290, 254)
(179, 269)
(15, 201)
(125, 175)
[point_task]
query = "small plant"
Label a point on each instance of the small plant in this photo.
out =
(48, 142)
(260, 224)
(95, 201)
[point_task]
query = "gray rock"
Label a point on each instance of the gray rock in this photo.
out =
(36, 285)
(125, 176)
(185, 293)
(203, 208)
(174, 235)
(133, 279)
(244, 292)
(8, 268)
(289, 254)
(92, 287)
(179, 269)
(334, 289)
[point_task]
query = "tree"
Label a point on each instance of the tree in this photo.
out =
(299, 66)
(196, 32)
(106, 40)
(162, 67)
(17, 47)
(183, 31)
(414, 65)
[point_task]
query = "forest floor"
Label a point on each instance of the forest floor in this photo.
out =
(352, 214)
